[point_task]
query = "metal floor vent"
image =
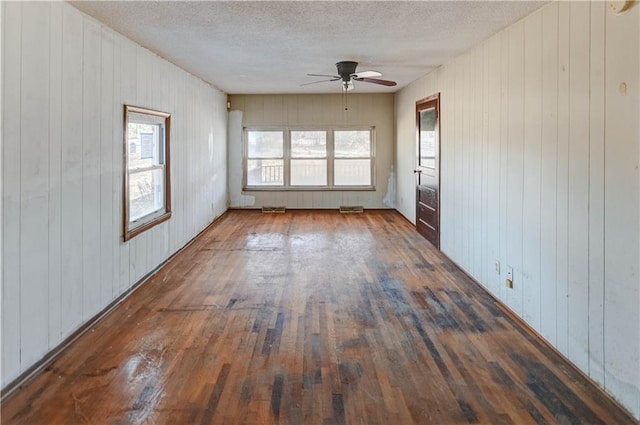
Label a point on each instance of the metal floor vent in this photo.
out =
(273, 210)
(351, 209)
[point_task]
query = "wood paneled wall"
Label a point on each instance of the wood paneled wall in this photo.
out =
(540, 148)
(368, 110)
(65, 80)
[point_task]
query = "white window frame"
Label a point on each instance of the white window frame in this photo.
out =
(246, 158)
(330, 159)
(289, 158)
(132, 228)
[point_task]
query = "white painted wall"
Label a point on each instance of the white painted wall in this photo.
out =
(375, 110)
(65, 80)
(540, 154)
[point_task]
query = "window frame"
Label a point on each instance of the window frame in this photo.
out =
(246, 158)
(133, 228)
(289, 157)
(330, 158)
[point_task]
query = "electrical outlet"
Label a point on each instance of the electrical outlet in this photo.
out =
(496, 266)
(509, 281)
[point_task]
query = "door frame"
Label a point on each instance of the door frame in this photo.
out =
(421, 105)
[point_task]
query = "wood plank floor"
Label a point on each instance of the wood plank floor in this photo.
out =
(309, 318)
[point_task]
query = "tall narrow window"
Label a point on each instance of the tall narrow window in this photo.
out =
(308, 158)
(147, 194)
(352, 153)
(265, 158)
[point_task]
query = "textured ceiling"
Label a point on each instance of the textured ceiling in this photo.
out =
(245, 47)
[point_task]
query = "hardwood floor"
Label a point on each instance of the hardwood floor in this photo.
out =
(309, 318)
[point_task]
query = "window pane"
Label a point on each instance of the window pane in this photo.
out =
(145, 193)
(308, 172)
(427, 138)
(308, 144)
(144, 145)
(352, 172)
(265, 144)
(265, 172)
(352, 143)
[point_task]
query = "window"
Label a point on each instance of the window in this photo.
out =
(309, 159)
(146, 170)
(265, 158)
(352, 153)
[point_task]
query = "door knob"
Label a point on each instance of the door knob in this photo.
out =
(416, 171)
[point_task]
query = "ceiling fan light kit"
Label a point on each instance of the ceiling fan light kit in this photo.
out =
(347, 75)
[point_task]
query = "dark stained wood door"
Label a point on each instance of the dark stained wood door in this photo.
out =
(428, 169)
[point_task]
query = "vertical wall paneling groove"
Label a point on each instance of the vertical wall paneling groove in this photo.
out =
(478, 162)
(128, 94)
(107, 140)
(11, 187)
(55, 172)
(458, 153)
(548, 173)
(117, 122)
(540, 152)
(34, 174)
(445, 169)
(463, 151)
(596, 192)
(622, 287)
(475, 157)
(562, 186)
(66, 78)
(504, 140)
(531, 170)
(578, 206)
(493, 169)
(486, 262)
(481, 113)
(91, 100)
(140, 243)
(464, 189)
(515, 162)
(71, 183)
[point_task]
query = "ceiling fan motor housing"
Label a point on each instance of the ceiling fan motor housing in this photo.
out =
(345, 69)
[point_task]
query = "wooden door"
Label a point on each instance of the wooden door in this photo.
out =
(428, 169)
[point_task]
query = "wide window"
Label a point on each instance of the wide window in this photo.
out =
(146, 170)
(309, 159)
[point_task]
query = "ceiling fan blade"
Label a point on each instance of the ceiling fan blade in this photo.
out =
(324, 75)
(377, 81)
(321, 81)
(366, 74)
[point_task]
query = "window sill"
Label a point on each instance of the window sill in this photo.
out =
(132, 233)
(310, 189)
